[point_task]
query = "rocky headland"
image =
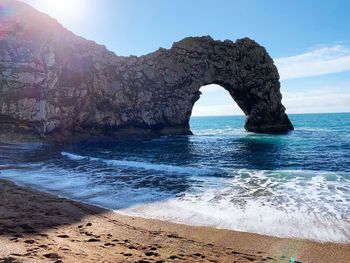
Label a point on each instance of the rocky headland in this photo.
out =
(54, 84)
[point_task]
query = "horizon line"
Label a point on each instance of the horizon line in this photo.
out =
(230, 115)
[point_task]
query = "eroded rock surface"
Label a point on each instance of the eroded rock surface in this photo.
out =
(53, 82)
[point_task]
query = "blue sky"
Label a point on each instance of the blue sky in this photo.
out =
(309, 40)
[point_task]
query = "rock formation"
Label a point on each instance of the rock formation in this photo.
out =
(53, 82)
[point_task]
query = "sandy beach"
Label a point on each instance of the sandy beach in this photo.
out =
(39, 227)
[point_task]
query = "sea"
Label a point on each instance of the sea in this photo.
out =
(287, 185)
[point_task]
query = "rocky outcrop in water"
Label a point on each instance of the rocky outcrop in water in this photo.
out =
(53, 82)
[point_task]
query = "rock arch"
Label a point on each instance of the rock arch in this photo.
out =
(174, 76)
(56, 83)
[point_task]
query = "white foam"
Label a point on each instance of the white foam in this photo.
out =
(74, 157)
(254, 217)
(144, 165)
(219, 131)
(299, 204)
(306, 206)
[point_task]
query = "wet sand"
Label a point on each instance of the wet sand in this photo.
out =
(39, 227)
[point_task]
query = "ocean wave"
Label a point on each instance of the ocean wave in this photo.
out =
(287, 203)
(224, 131)
(255, 217)
(74, 157)
(145, 165)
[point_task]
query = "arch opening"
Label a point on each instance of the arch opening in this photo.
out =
(215, 109)
(215, 101)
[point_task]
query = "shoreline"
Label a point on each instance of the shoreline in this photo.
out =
(337, 233)
(40, 227)
(165, 220)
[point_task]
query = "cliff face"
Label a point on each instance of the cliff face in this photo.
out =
(54, 82)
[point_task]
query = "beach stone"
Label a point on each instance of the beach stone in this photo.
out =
(62, 85)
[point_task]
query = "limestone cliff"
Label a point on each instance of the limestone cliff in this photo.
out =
(53, 82)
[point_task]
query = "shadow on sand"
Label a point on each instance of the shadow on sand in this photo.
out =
(24, 211)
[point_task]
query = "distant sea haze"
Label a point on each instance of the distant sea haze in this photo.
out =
(290, 185)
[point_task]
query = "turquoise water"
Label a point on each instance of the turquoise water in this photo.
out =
(291, 185)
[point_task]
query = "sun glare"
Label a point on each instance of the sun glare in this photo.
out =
(65, 11)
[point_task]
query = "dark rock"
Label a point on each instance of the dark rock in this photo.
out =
(54, 84)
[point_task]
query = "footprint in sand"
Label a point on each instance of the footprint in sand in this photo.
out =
(93, 240)
(64, 249)
(109, 245)
(52, 256)
(9, 260)
(198, 255)
(172, 235)
(126, 254)
(43, 246)
(151, 253)
(132, 247)
(29, 241)
(63, 236)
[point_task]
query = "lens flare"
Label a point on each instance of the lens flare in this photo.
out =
(65, 11)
